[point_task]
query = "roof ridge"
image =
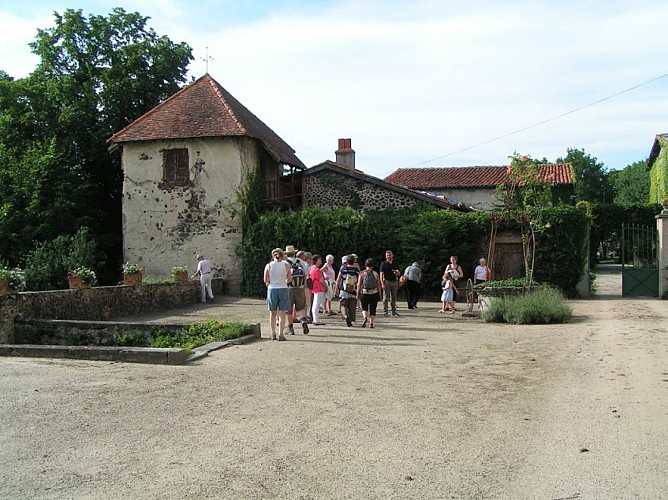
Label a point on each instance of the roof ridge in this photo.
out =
(217, 89)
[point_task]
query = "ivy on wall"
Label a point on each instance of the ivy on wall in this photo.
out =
(659, 177)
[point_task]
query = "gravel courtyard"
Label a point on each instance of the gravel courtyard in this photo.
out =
(424, 406)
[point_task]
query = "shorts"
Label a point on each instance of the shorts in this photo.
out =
(297, 298)
(278, 300)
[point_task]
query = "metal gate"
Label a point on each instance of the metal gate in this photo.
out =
(640, 261)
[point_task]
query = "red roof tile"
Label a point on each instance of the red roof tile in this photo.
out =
(472, 177)
(205, 109)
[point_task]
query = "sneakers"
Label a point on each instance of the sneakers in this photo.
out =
(304, 327)
(394, 313)
(371, 325)
(273, 336)
(348, 322)
(291, 329)
(385, 314)
(282, 337)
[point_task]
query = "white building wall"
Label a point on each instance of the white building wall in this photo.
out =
(478, 198)
(166, 227)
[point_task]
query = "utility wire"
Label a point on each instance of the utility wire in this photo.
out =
(541, 122)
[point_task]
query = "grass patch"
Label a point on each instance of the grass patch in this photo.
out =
(542, 306)
(197, 335)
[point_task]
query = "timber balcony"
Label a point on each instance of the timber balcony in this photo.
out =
(282, 194)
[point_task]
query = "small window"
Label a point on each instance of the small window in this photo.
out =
(175, 171)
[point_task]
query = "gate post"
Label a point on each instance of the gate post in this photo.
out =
(662, 228)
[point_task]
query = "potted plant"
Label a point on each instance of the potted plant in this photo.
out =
(12, 280)
(82, 277)
(132, 274)
(180, 273)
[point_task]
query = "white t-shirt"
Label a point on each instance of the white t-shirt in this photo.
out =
(278, 274)
(204, 266)
(481, 273)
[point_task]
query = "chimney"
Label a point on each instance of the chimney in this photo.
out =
(345, 155)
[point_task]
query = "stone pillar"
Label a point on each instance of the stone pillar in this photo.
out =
(662, 228)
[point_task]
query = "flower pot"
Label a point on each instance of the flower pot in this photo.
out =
(181, 276)
(132, 279)
(74, 281)
(5, 289)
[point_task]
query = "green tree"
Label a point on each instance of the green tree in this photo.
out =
(591, 177)
(95, 76)
(631, 185)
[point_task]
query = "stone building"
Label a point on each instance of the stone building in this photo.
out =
(475, 186)
(339, 184)
(184, 163)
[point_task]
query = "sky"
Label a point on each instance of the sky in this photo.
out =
(429, 83)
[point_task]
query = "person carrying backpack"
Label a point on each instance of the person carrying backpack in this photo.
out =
(368, 290)
(346, 282)
(299, 271)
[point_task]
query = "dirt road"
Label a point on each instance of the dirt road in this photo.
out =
(424, 406)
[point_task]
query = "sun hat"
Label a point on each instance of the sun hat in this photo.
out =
(290, 249)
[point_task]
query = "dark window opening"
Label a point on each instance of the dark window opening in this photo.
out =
(175, 167)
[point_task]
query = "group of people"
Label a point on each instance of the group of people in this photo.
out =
(300, 285)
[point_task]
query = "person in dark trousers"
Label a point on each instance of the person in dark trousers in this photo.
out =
(414, 275)
(346, 283)
(389, 280)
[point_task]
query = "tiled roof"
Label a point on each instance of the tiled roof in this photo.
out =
(437, 200)
(472, 177)
(205, 109)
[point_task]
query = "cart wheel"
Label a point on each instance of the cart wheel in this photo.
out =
(470, 295)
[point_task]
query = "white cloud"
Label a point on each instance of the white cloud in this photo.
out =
(411, 81)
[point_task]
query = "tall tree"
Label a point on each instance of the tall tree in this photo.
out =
(631, 184)
(95, 76)
(591, 183)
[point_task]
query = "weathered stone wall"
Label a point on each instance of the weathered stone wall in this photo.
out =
(97, 304)
(330, 189)
(167, 226)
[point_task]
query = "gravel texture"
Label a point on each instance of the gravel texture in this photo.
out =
(425, 405)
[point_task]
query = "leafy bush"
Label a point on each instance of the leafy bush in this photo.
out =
(200, 334)
(414, 234)
(542, 306)
(48, 264)
(14, 276)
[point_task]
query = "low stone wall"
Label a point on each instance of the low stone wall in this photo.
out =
(97, 304)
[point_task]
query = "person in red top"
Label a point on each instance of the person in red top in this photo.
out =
(319, 288)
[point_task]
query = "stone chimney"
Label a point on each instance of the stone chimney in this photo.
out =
(345, 155)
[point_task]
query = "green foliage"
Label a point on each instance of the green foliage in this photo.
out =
(659, 174)
(514, 282)
(631, 185)
(200, 334)
(607, 223)
(48, 264)
(96, 75)
(14, 276)
(524, 197)
(420, 234)
(591, 176)
(130, 339)
(131, 269)
(543, 306)
(561, 250)
(87, 275)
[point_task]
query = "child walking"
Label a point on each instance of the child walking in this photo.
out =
(448, 296)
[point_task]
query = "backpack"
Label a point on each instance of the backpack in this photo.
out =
(349, 281)
(297, 273)
(370, 282)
